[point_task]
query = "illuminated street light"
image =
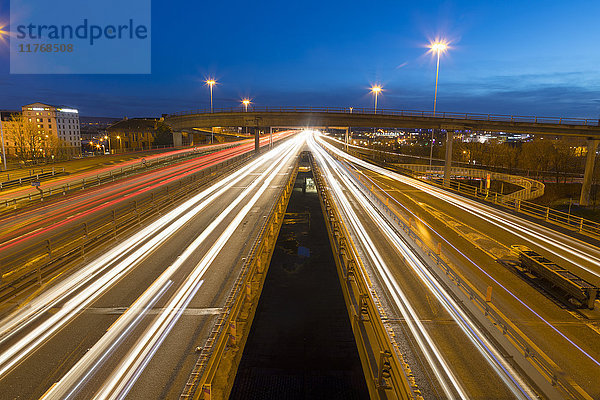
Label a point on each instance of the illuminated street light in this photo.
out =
(108, 140)
(3, 35)
(376, 90)
(2, 139)
(211, 83)
(437, 48)
(246, 103)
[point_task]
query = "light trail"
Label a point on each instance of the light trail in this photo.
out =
(504, 370)
(141, 311)
(438, 364)
(94, 279)
(140, 355)
(105, 200)
(472, 207)
(540, 236)
(124, 376)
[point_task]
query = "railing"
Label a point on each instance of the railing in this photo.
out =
(531, 188)
(566, 220)
(99, 179)
(14, 178)
(514, 203)
(40, 260)
(384, 367)
(405, 113)
(551, 372)
(233, 325)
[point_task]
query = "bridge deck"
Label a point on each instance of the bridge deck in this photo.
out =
(343, 117)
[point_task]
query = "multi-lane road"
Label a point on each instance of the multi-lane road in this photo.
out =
(127, 322)
(39, 221)
(476, 239)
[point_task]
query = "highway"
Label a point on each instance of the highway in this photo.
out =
(127, 323)
(40, 221)
(89, 167)
(476, 240)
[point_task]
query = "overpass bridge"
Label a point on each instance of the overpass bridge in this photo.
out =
(188, 122)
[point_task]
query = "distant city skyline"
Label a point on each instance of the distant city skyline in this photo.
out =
(533, 58)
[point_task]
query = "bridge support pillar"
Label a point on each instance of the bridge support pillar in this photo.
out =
(347, 137)
(177, 139)
(257, 140)
(586, 188)
(448, 162)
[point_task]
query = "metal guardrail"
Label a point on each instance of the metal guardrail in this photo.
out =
(578, 224)
(552, 372)
(26, 178)
(564, 279)
(560, 218)
(405, 113)
(386, 372)
(233, 325)
(34, 263)
(531, 189)
(99, 179)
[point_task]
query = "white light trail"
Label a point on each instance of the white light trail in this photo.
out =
(504, 370)
(504, 221)
(541, 236)
(87, 284)
(434, 357)
(124, 376)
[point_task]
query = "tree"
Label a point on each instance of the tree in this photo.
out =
(25, 137)
(163, 136)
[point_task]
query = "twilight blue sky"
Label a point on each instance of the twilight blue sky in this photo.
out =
(515, 57)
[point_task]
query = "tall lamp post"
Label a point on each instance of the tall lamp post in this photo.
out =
(3, 34)
(211, 83)
(108, 140)
(246, 103)
(3, 149)
(376, 90)
(119, 138)
(437, 48)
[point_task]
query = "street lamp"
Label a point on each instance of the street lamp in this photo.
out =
(211, 83)
(108, 140)
(437, 48)
(2, 139)
(3, 35)
(246, 103)
(376, 90)
(119, 138)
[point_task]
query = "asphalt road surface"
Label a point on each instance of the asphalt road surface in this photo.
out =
(127, 323)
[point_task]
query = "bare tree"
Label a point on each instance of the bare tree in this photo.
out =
(24, 135)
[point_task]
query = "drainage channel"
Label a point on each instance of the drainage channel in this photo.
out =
(301, 344)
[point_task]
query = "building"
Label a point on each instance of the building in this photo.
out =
(133, 133)
(60, 122)
(93, 131)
